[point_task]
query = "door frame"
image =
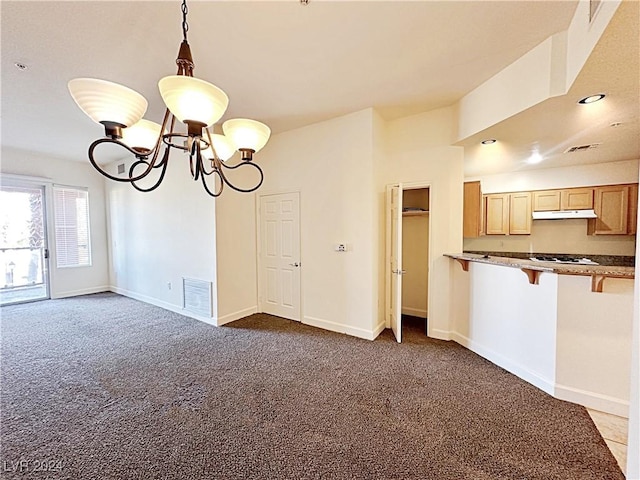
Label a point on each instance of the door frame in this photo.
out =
(46, 185)
(409, 186)
(258, 197)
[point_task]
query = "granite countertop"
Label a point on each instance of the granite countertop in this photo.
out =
(560, 268)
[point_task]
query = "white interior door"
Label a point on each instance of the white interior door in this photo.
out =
(394, 263)
(280, 255)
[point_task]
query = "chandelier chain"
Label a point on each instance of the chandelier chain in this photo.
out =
(185, 25)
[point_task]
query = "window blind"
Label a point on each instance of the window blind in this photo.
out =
(71, 219)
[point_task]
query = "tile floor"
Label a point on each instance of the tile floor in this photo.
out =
(614, 431)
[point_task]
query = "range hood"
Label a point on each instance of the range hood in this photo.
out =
(562, 214)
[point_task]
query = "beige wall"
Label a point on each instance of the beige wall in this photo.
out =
(235, 246)
(341, 168)
(556, 236)
(633, 442)
(415, 261)
(159, 237)
(610, 173)
(69, 281)
(593, 343)
(331, 165)
(417, 150)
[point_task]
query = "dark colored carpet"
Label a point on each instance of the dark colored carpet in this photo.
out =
(105, 387)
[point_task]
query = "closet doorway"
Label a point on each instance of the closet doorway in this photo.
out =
(408, 224)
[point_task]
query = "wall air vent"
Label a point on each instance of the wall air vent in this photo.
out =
(197, 296)
(581, 148)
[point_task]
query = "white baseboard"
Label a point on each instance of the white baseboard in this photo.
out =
(162, 304)
(340, 328)
(378, 330)
(232, 317)
(544, 384)
(84, 291)
(439, 334)
(596, 401)
(414, 312)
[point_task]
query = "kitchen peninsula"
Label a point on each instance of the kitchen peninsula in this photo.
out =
(532, 268)
(564, 328)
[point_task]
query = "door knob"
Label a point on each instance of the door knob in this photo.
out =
(399, 272)
(297, 264)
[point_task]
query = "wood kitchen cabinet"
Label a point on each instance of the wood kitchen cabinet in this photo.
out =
(567, 199)
(576, 199)
(473, 210)
(546, 200)
(611, 204)
(616, 208)
(508, 213)
(520, 213)
(496, 207)
(632, 223)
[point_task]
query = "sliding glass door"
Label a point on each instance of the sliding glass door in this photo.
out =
(24, 255)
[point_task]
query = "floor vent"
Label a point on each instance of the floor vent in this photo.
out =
(581, 148)
(197, 296)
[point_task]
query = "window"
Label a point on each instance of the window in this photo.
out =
(71, 212)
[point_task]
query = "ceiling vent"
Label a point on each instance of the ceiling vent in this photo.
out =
(581, 148)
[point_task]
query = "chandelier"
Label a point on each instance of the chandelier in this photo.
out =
(193, 102)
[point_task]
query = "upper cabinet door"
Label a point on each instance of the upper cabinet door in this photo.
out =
(472, 224)
(546, 200)
(520, 213)
(632, 223)
(497, 214)
(577, 199)
(612, 209)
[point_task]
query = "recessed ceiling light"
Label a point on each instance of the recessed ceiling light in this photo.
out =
(591, 98)
(21, 66)
(488, 141)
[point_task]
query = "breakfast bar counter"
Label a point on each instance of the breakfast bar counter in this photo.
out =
(532, 269)
(564, 328)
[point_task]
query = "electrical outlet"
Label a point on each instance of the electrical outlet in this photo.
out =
(341, 247)
(169, 285)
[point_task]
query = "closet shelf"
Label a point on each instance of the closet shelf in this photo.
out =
(415, 213)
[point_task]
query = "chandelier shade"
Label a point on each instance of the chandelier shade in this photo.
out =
(193, 100)
(105, 101)
(247, 134)
(224, 148)
(142, 136)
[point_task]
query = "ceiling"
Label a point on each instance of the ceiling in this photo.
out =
(557, 124)
(290, 65)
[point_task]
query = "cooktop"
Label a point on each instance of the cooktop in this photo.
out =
(563, 259)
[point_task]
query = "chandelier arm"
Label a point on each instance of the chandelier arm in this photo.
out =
(213, 148)
(164, 163)
(215, 166)
(108, 175)
(195, 155)
(238, 189)
(219, 190)
(156, 149)
(193, 170)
